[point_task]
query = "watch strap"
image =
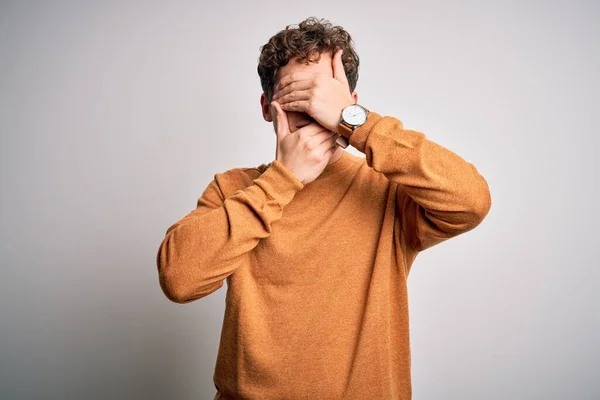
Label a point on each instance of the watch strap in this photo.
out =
(343, 141)
(345, 130)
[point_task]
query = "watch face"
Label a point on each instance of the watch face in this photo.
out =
(354, 114)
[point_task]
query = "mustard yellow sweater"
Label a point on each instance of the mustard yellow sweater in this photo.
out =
(316, 303)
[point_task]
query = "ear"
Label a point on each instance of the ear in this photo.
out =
(265, 106)
(355, 97)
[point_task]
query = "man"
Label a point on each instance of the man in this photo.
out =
(317, 245)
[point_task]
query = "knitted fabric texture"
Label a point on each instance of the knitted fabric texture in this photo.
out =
(317, 300)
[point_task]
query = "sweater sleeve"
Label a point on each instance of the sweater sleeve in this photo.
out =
(439, 195)
(207, 245)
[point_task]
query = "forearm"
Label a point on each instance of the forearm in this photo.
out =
(452, 195)
(209, 244)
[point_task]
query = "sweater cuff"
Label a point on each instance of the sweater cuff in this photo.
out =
(279, 182)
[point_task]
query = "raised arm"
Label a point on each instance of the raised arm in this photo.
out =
(206, 246)
(439, 194)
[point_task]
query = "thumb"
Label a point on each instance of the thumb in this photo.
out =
(282, 128)
(338, 67)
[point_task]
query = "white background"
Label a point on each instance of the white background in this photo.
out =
(114, 116)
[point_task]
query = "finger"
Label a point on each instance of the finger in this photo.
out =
(293, 77)
(282, 122)
(294, 96)
(297, 85)
(331, 150)
(313, 129)
(338, 67)
(328, 136)
(332, 139)
(298, 105)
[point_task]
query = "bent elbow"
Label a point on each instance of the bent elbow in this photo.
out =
(482, 206)
(173, 289)
(180, 277)
(173, 286)
(181, 291)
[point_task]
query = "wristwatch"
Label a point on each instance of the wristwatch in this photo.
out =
(353, 116)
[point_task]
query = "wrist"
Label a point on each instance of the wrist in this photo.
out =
(351, 117)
